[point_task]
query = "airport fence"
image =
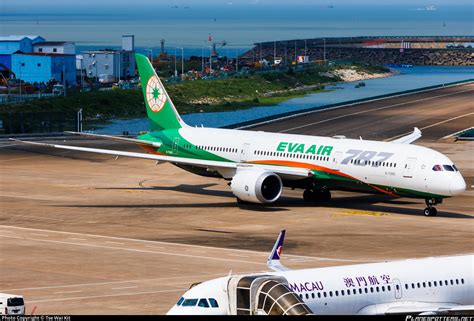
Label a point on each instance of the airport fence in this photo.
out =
(40, 122)
(16, 99)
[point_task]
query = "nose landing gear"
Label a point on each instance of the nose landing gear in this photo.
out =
(430, 210)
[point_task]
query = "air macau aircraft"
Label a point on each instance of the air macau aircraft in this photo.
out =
(259, 164)
(428, 286)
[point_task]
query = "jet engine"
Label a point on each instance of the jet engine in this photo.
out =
(256, 186)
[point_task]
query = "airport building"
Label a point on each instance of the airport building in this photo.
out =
(111, 65)
(60, 47)
(43, 67)
(24, 43)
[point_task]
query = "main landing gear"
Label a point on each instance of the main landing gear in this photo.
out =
(317, 196)
(430, 210)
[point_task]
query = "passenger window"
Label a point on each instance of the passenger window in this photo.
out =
(388, 288)
(307, 296)
(319, 294)
(312, 295)
(213, 303)
(462, 281)
(203, 303)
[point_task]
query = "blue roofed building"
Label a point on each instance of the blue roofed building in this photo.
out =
(11, 44)
(43, 67)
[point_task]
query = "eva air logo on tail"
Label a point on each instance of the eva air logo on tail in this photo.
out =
(155, 94)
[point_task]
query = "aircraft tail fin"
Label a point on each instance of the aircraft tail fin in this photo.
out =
(160, 109)
(273, 261)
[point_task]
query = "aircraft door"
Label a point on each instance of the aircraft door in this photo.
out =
(409, 167)
(175, 146)
(397, 288)
(244, 152)
(336, 160)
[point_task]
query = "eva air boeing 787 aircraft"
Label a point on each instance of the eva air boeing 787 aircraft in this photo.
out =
(259, 164)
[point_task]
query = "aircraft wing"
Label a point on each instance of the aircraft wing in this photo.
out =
(125, 139)
(288, 171)
(410, 138)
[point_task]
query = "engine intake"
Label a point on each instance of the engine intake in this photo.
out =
(256, 186)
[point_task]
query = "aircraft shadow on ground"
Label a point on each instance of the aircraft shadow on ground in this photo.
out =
(372, 203)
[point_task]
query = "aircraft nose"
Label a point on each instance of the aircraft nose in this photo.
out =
(457, 185)
(173, 311)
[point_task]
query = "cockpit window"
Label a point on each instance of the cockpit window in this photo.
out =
(190, 302)
(213, 303)
(181, 299)
(203, 303)
(448, 168)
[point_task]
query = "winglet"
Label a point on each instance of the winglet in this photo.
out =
(273, 261)
(408, 139)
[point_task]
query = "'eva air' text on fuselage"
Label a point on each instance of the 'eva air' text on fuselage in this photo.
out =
(301, 148)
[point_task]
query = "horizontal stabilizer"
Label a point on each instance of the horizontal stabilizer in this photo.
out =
(408, 139)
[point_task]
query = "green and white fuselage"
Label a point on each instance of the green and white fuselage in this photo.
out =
(259, 164)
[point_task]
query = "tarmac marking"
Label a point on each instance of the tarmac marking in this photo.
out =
(37, 234)
(136, 250)
(433, 125)
(67, 292)
(125, 287)
(112, 242)
(359, 212)
(106, 296)
(76, 238)
(371, 110)
(178, 244)
(115, 282)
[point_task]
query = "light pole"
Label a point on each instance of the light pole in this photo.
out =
(210, 60)
(175, 70)
(202, 60)
(236, 60)
(20, 80)
(182, 62)
(151, 54)
(82, 72)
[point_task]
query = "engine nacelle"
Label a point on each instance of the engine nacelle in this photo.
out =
(256, 186)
